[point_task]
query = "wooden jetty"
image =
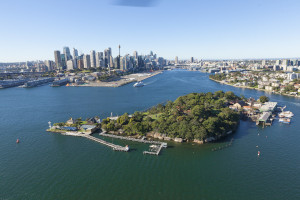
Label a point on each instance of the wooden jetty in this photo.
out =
(155, 152)
(161, 144)
(113, 146)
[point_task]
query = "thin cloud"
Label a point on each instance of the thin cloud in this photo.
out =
(136, 3)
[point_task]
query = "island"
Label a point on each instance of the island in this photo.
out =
(196, 117)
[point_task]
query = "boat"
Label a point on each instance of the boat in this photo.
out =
(285, 120)
(286, 114)
(127, 148)
(139, 84)
(258, 153)
(17, 141)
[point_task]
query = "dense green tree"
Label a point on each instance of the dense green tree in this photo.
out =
(193, 116)
(263, 99)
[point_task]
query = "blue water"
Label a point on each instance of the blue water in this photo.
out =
(51, 166)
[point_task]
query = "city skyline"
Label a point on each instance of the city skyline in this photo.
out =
(203, 30)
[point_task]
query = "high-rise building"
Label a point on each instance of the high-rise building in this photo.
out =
(86, 61)
(49, 64)
(57, 59)
(75, 53)
(63, 61)
(70, 65)
(263, 63)
(111, 62)
(135, 55)
(107, 54)
(67, 53)
(123, 63)
(80, 64)
(97, 59)
(93, 59)
(285, 62)
(278, 62)
(176, 60)
(192, 59)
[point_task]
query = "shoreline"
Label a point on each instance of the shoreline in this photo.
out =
(246, 87)
(123, 81)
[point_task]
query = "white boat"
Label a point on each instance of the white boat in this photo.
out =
(286, 114)
(139, 84)
(285, 120)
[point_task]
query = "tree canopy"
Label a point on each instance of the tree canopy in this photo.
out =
(193, 116)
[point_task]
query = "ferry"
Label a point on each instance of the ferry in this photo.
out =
(286, 114)
(285, 120)
(139, 84)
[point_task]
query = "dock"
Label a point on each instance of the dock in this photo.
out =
(113, 146)
(155, 152)
(161, 144)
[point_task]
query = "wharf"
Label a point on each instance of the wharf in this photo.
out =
(161, 144)
(155, 152)
(113, 146)
(88, 136)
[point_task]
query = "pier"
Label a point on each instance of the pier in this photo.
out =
(113, 146)
(161, 144)
(155, 152)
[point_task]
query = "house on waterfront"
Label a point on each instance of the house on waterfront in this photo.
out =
(89, 128)
(70, 121)
(268, 106)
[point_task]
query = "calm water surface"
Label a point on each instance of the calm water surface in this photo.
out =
(51, 166)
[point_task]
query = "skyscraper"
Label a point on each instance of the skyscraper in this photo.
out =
(97, 59)
(75, 53)
(63, 61)
(135, 54)
(93, 59)
(192, 59)
(80, 64)
(86, 61)
(70, 65)
(107, 54)
(57, 59)
(67, 53)
(111, 62)
(285, 63)
(176, 60)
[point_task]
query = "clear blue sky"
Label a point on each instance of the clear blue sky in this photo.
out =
(204, 29)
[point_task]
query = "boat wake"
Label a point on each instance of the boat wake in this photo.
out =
(296, 104)
(148, 83)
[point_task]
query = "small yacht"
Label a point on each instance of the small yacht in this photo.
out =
(139, 84)
(286, 114)
(285, 120)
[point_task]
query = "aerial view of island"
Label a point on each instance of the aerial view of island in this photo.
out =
(149, 99)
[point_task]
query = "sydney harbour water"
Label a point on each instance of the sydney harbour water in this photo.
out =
(51, 166)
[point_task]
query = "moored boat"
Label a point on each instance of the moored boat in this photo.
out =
(139, 84)
(285, 120)
(286, 114)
